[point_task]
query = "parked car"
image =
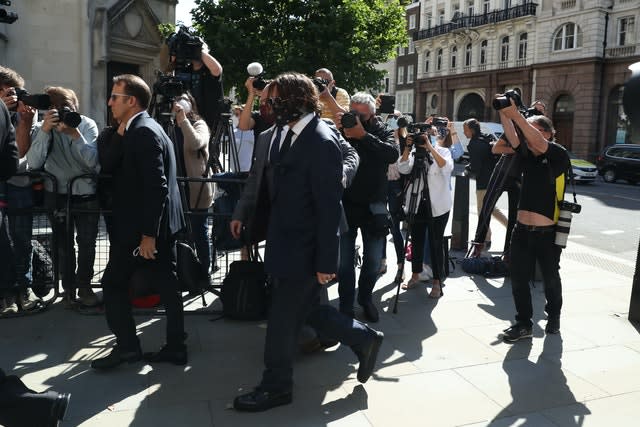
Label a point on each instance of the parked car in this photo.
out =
(583, 171)
(494, 130)
(620, 161)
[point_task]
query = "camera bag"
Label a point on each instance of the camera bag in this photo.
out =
(245, 289)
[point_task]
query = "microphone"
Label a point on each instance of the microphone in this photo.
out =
(255, 69)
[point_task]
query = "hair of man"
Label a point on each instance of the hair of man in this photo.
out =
(136, 87)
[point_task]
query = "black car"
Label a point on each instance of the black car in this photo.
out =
(620, 161)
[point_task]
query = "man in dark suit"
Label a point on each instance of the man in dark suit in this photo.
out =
(147, 214)
(299, 178)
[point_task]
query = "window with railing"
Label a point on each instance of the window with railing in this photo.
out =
(486, 6)
(504, 49)
(468, 53)
(569, 36)
(470, 8)
(484, 44)
(454, 57)
(412, 22)
(626, 31)
(522, 46)
(439, 60)
(427, 59)
(441, 17)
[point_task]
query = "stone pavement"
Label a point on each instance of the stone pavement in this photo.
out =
(441, 364)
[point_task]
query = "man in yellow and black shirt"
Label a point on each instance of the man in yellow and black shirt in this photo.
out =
(544, 168)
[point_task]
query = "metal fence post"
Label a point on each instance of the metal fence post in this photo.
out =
(460, 220)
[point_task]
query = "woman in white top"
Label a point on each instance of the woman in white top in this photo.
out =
(439, 165)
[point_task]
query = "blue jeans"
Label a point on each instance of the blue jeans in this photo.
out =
(371, 259)
(200, 234)
(20, 230)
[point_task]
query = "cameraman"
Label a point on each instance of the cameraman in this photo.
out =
(66, 152)
(19, 196)
(544, 168)
(204, 83)
(433, 217)
(333, 97)
(365, 202)
(259, 120)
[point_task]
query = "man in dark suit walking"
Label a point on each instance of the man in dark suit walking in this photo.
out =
(299, 178)
(147, 214)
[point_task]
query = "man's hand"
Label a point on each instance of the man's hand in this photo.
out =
(9, 97)
(324, 278)
(180, 114)
(51, 120)
(236, 228)
(148, 247)
(511, 112)
(26, 112)
(68, 130)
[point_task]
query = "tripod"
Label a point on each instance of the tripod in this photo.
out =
(223, 142)
(416, 195)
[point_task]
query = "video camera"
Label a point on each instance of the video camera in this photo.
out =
(185, 45)
(166, 89)
(418, 128)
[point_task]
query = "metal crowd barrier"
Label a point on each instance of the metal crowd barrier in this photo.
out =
(225, 255)
(45, 266)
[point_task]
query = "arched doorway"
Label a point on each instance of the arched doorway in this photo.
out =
(471, 106)
(563, 110)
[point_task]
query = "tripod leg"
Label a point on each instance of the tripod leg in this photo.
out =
(406, 245)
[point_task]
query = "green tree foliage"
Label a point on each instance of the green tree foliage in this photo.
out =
(347, 36)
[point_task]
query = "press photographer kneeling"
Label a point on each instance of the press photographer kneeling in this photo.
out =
(427, 206)
(544, 165)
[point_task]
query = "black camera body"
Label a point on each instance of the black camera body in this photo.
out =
(321, 84)
(349, 119)
(185, 46)
(171, 86)
(413, 128)
(503, 101)
(40, 101)
(260, 82)
(69, 117)
(571, 207)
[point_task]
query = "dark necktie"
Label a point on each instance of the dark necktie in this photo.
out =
(286, 144)
(275, 147)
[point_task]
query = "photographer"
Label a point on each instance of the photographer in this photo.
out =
(365, 202)
(544, 166)
(259, 120)
(66, 152)
(192, 138)
(202, 72)
(19, 196)
(332, 95)
(482, 164)
(434, 203)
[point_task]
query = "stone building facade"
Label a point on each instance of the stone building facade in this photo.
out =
(572, 54)
(81, 44)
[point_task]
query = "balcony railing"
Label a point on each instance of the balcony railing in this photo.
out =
(621, 51)
(527, 9)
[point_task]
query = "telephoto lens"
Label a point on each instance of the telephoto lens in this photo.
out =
(563, 227)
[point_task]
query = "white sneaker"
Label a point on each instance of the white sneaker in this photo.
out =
(8, 305)
(427, 273)
(28, 300)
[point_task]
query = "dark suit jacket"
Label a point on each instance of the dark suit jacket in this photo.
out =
(8, 147)
(146, 196)
(303, 210)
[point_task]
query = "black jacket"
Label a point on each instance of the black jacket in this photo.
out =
(377, 150)
(482, 160)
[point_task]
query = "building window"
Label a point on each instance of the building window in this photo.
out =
(504, 49)
(428, 18)
(387, 85)
(522, 46)
(400, 75)
(454, 57)
(506, 4)
(410, 72)
(412, 46)
(470, 8)
(486, 6)
(483, 52)
(568, 36)
(467, 55)
(441, 17)
(439, 60)
(626, 31)
(400, 50)
(412, 22)
(427, 59)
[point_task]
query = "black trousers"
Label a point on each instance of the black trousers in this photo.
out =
(436, 228)
(294, 301)
(161, 272)
(527, 247)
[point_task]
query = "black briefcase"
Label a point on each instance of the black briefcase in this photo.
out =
(245, 293)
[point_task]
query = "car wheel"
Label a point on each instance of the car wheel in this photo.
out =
(609, 175)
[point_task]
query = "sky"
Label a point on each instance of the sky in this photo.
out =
(182, 11)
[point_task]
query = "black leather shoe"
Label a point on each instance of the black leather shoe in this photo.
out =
(553, 325)
(117, 357)
(168, 355)
(260, 400)
(370, 312)
(367, 356)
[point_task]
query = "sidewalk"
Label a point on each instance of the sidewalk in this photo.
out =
(441, 364)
